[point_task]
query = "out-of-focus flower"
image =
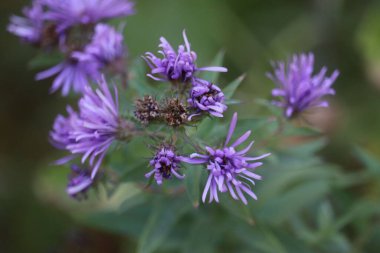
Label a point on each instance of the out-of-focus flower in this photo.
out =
(175, 65)
(67, 13)
(98, 126)
(79, 182)
(60, 135)
(71, 74)
(298, 88)
(206, 97)
(146, 110)
(105, 47)
(29, 28)
(165, 163)
(228, 169)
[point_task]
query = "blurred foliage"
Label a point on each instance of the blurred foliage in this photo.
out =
(321, 186)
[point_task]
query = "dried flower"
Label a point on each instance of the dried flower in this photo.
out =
(206, 97)
(228, 169)
(146, 109)
(165, 163)
(298, 89)
(79, 182)
(175, 113)
(175, 66)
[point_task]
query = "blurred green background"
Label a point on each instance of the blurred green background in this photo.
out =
(344, 35)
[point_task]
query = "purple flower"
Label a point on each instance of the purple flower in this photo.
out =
(175, 65)
(165, 164)
(30, 27)
(62, 127)
(228, 169)
(206, 97)
(79, 182)
(298, 88)
(71, 74)
(60, 136)
(98, 125)
(105, 47)
(67, 13)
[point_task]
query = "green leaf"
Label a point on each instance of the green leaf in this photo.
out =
(237, 208)
(45, 60)
(308, 148)
(201, 240)
(138, 79)
(230, 89)
(213, 76)
(371, 163)
(192, 181)
(292, 201)
(161, 220)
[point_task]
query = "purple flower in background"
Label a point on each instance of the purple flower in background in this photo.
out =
(175, 65)
(229, 170)
(79, 182)
(165, 164)
(206, 97)
(298, 88)
(105, 47)
(71, 74)
(98, 125)
(67, 13)
(30, 27)
(60, 136)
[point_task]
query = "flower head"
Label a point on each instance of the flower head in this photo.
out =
(228, 169)
(105, 47)
(165, 163)
(98, 125)
(79, 182)
(67, 13)
(30, 27)
(298, 88)
(206, 97)
(71, 74)
(175, 65)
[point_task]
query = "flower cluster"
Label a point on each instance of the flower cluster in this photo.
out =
(91, 47)
(179, 67)
(298, 88)
(72, 27)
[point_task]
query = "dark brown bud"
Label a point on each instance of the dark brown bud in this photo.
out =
(175, 113)
(146, 110)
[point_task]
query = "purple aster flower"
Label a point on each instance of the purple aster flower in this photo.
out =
(105, 47)
(79, 182)
(206, 97)
(30, 27)
(67, 13)
(298, 88)
(98, 125)
(228, 169)
(60, 136)
(175, 65)
(71, 74)
(165, 164)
